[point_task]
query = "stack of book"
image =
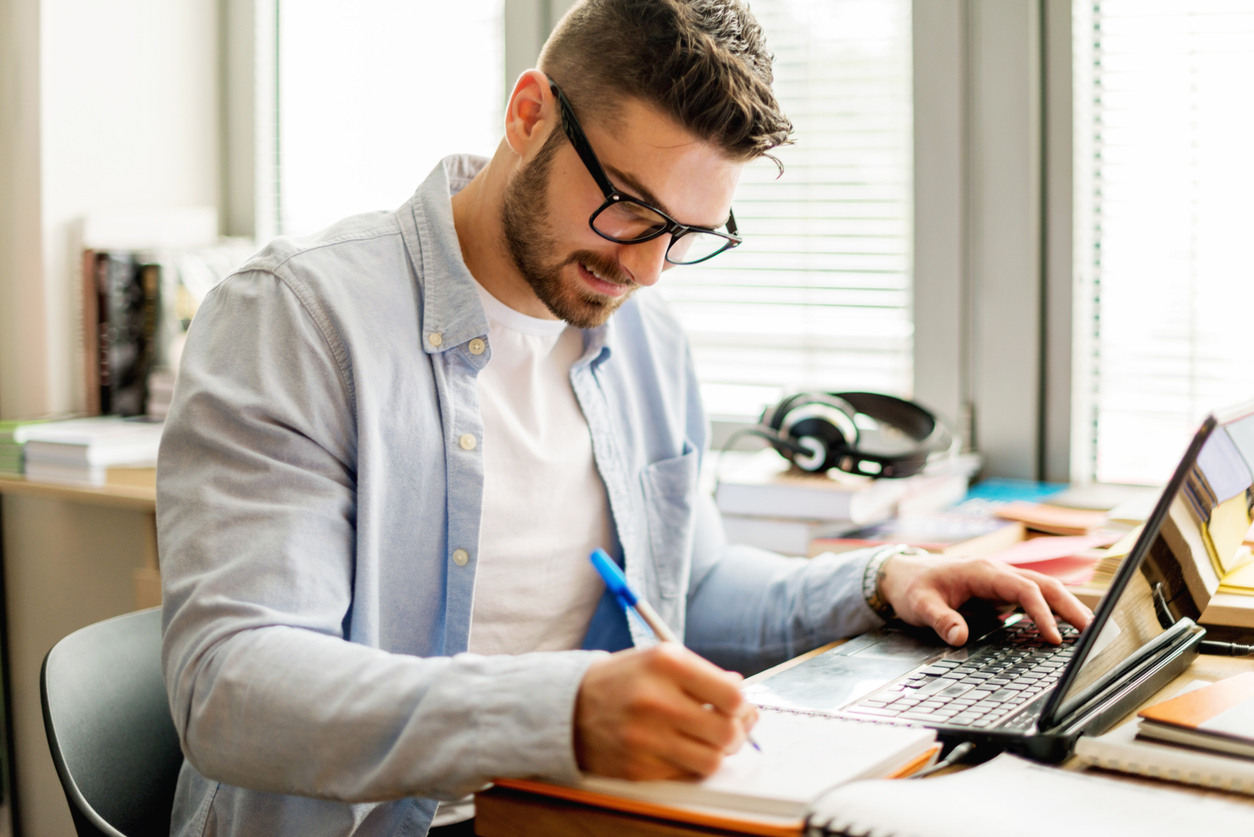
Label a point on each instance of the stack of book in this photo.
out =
(142, 279)
(12, 445)
(1203, 737)
(941, 533)
(90, 451)
(767, 503)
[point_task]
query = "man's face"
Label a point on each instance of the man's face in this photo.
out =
(579, 276)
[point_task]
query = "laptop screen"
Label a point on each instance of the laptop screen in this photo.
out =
(1193, 538)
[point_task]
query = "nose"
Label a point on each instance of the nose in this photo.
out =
(645, 261)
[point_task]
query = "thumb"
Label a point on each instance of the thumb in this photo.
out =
(947, 622)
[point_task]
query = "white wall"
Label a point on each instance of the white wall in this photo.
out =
(128, 121)
(105, 105)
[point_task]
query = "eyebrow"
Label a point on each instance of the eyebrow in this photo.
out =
(647, 196)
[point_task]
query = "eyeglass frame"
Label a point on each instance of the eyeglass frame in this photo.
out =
(579, 140)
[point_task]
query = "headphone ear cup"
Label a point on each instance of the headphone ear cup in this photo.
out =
(821, 439)
(821, 423)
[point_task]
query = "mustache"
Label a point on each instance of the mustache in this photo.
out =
(603, 266)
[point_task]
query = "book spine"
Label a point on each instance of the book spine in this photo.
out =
(103, 378)
(91, 334)
(125, 306)
(150, 283)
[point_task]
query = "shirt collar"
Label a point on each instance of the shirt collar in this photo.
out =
(451, 312)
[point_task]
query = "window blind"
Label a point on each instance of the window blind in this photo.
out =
(1165, 175)
(819, 295)
(371, 93)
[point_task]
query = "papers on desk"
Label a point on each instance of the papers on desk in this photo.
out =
(1011, 796)
(1070, 559)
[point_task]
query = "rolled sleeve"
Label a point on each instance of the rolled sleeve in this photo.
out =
(749, 609)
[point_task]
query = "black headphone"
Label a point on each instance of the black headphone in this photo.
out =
(819, 430)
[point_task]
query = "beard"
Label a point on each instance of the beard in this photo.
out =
(534, 251)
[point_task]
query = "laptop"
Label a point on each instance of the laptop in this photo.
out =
(1009, 690)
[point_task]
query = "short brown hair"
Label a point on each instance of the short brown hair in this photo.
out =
(702, 62)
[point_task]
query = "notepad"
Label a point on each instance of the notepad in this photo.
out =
(1121, 750)
(802, 756)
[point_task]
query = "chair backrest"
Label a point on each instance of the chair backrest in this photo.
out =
(109, 727)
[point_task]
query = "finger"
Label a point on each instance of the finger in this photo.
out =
(1062, 601)
(947, 622)
(750, 718)
(704, 681)
(690, 755)
(708, 724)
(1014, 586)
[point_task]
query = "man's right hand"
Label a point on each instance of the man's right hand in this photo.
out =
(658, 713)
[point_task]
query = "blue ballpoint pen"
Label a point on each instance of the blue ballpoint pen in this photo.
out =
(617, 584)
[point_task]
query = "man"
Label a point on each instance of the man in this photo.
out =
(398, 440)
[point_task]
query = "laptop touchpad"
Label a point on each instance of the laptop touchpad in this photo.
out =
(903, 647)
(833, 679)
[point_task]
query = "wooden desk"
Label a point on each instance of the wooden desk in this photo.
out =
(72, 556)
(139, 495)
(508, 813)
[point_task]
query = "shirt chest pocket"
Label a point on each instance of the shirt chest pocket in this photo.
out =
(670, 488)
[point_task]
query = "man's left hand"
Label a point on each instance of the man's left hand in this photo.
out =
(927, 590)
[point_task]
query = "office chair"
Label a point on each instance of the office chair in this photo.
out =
(109, 727)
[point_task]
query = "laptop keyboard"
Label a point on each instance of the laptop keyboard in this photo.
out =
(989, 686)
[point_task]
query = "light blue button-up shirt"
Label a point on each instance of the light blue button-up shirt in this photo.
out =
(317, 481)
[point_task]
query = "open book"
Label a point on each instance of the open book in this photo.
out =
(770, 791)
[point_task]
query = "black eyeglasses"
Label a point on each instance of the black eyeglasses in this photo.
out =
(626, 220)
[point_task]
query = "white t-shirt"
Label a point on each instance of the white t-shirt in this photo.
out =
(544, 504)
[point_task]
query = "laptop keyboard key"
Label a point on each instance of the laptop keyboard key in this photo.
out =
(956, 690)
(880, 711)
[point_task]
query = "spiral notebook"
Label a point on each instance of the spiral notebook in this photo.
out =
(1009, 795)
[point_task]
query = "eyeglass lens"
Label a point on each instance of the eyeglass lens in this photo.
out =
(628, 221)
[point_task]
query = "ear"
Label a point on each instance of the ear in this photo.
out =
(531, 114)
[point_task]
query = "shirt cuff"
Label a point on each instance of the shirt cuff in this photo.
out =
(836, 602)
(526, 715)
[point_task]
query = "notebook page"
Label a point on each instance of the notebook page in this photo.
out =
(1011, 796)
(801, 756)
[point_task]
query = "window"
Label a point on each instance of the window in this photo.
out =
(370, 94)
(819, 295)
(1163, 219)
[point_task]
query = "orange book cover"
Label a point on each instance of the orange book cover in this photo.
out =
(1194, 709)
(1053, 519)
(738, 821)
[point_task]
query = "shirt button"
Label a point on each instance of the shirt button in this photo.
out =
(460, 557)
(467, 442)
(477, 346)
(435, 338)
